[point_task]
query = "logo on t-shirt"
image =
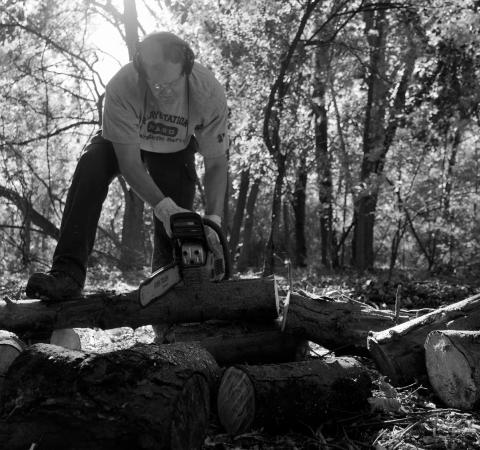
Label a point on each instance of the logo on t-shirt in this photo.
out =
(160, 128)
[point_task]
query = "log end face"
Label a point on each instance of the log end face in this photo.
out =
(236, 401)
(385, 365)
(10, 348)
(450, 374)
(67, 338)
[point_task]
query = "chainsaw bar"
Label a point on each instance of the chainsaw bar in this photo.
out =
(158, 283)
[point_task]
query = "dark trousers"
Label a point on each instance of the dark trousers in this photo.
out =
(174, 174)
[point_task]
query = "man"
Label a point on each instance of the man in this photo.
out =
(158, 110)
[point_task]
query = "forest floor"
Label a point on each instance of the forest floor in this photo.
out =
(414, 419)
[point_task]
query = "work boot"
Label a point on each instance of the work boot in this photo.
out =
(52, 286)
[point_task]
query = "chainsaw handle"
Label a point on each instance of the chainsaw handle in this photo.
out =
(223, 241)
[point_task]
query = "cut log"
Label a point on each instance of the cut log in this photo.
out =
(399, 351)
(67, 338)
(241, 343)
(251, 300)
(145, 397)
(291, 395)
(453, 365)
(338, 326)
(10, 348)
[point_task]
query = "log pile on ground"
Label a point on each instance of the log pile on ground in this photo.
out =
(337, 325)
(399, 351)
(267, 381)
(146, 397)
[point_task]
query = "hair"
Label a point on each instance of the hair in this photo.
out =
(175, 50)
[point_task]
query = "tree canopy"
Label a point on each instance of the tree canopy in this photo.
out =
(354, 126)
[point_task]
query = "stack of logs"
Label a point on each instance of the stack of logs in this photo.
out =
(224, 349)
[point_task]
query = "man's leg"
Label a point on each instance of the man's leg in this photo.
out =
(175, 175)
(95, 170)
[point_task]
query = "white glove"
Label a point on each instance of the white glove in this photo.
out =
(214, 218)
(212, 237)
(164, 209)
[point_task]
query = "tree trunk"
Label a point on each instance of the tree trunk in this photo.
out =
(322, 156)
(145, 397)
(299, 209)
(292, 395)
(249, 300)
(287, 245)
(26, 236)
(226, 198)
(240, 342)
(453, 363)
(338, 326)
(132, 254)
(377, 137)
(239, 212)
(362, 243)
(273, 244)
(244, 259)
(399, 351)
(373, 139)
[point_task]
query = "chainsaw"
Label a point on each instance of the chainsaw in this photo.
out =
(195, 261)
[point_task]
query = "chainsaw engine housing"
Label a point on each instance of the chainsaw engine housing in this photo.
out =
(197, 260)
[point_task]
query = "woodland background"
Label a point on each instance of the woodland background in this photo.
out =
(354, 129)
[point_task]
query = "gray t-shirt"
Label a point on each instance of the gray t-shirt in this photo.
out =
(132, 115)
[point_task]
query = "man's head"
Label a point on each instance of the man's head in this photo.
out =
(162, 61)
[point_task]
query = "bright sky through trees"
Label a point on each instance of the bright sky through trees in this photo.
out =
(112, 51)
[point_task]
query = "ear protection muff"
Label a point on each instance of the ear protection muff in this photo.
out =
(165, 39)
(189, 60)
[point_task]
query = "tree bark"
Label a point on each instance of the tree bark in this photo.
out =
(339, 326)
(399, 351)
(274, 239)
(453, 362)
(132, 255)
(373, 139)
(322, 156)
(292, 395)
(299, 209)
(239, 212)
(145, 397)
(244, 259)
(240, 342)
(250, 300)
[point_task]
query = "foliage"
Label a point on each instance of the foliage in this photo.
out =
(427, 207)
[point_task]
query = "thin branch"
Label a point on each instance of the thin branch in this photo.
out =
(53, 133)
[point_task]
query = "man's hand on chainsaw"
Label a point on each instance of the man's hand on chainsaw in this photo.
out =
(166, 208)
(214, 218)
(212, 237)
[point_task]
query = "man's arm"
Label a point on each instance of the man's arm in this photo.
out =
(134, 172)
(215, 184)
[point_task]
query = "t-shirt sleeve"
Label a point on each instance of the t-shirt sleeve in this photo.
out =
(120, 119)
(212, 137)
